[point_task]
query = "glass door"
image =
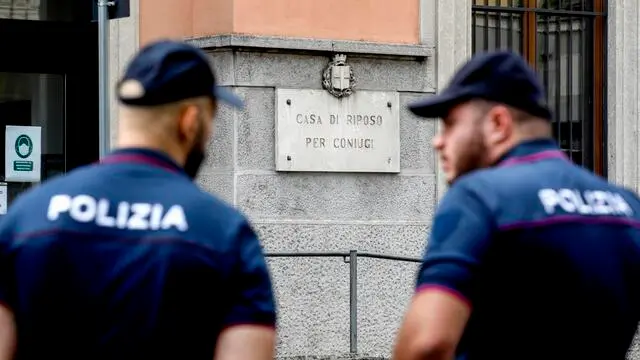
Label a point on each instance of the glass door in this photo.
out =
(49, 93)
(32, 114)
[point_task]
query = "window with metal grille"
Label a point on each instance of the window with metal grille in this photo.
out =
(564, 41)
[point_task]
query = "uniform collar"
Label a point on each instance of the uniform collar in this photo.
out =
(532, 151)
(142, 156)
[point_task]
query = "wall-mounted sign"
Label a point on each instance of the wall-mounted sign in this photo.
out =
(317, 132)
(117, 9)
(23, 148)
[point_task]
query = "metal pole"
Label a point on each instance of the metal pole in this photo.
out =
(103, 70)
(353, 302)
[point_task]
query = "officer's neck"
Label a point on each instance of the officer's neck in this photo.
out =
(134, 141)
(523, 133)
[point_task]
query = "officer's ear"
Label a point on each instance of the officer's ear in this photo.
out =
(188, 122)
(501, 124)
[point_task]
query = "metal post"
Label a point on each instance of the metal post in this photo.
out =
(103, 69)
(353, 302)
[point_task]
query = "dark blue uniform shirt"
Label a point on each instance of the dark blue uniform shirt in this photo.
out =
(546, 254)
(129, 259)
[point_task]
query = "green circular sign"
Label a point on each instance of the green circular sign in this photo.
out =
(24, 146)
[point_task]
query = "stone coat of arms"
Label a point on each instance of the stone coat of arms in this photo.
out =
(338, 78)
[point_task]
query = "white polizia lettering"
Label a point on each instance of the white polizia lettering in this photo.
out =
(130, 216)
(588, 202)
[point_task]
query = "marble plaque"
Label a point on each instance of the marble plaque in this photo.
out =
(321, 133)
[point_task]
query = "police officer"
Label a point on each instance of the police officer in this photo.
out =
(128, 259)
(529, 256)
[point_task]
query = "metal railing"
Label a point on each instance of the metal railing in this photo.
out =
(350, 258)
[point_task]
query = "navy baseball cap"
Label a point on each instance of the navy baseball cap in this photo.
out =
(167, 71)
(502, 77)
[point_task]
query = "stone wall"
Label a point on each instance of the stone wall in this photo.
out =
(623, 101)
(319, 212)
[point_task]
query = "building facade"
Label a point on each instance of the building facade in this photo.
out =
(586, 53)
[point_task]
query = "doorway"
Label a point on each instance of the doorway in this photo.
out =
(49, 79)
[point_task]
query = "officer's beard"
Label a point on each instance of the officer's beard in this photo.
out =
(472, 157)
(196, 155)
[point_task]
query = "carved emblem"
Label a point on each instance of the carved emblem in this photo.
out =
(338, 78)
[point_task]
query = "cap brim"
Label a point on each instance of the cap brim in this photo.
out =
(228, 97)
(435, 106)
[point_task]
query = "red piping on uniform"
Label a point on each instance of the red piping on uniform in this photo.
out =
(544, 155)
(137, 158)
